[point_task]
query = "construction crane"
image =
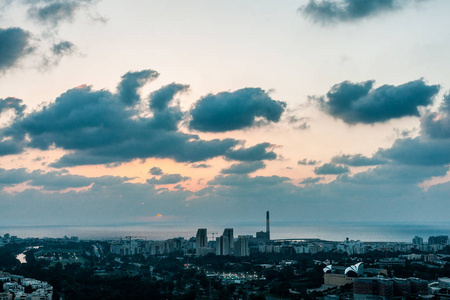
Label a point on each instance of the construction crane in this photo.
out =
(212, 234)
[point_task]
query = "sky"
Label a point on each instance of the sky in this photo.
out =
(197, 112)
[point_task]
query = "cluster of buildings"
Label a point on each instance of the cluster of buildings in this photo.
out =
(223, 245)
(435, 243)
(20, 288)
(9, 239)
(373, 284)
(389, 288)
(226, 244)
(128, 246)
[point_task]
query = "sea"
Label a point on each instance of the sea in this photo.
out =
(330, 231)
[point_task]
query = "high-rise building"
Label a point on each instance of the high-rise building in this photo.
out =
(438, 240)
(225, 243)
(228, 232)
(201, 240)
(267, 226)
(417, 240)
(241, 247)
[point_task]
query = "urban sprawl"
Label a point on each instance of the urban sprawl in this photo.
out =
(224, 267)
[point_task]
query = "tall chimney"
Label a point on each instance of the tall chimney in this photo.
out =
(267, 226)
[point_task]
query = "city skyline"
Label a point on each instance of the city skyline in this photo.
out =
(195, 113)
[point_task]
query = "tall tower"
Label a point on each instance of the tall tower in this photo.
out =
(228, 241)
(267, 226)
(201, 240)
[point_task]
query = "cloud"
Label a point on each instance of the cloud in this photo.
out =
(257, 152)
(52, 13)
(299, 123)
(331, 169)
(54, 181)
(311, 180)
(437, 124)
(334, 11)
(12, 103)
(14, 44)
(9, 147)
(63, 48)
(361, 103)
(58, 51)
(201, 166)
(246, 181)
(418, 151)
(244, 168)
(97, 128)
(4, 4)
(306, 162)
(131, 84)
(160, 99)
(236, 110)
(395, 174)
(168, 179)
(357, 160)
(156, 171)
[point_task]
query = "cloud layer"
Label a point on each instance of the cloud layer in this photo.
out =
(100, 127)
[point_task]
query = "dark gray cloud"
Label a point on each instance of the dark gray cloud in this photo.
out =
(246, 181)
(244, 168)
(201, 166)
(418, 151)
(13, 176)
(168, 179)
(131, 84)
(333, 11)
(395, 174)
(298, 123)
(14, 44)
(361, 103)
(53, 12)
(357, 160)
(228, 111)
(57, 52)
(63, 48)
(311, 180)
(56, 180)
(98, 129)
(331, 169)
(12, 103)
(306, 162)
(160, 99)
(156, 171)
(436, 125)
(260, 151)
(9, 147)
